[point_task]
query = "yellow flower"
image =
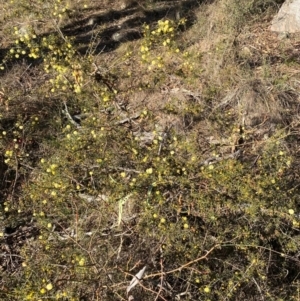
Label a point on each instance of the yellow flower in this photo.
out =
(77, 89)
(149, 171)
(106, 98)
(49, 286)
(206, 289)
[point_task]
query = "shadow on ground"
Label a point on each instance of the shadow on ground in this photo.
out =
(104, 30)
(113, 27)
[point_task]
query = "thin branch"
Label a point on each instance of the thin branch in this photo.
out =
(262, 248)
(66, 111)
(259, 289)
(161, 277)
(150, 290)
(183, 266)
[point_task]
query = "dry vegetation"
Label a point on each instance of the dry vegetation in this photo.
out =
(157, 134)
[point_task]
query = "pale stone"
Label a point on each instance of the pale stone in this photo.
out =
(288, 18)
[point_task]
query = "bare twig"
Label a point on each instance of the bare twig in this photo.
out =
(259, 289)
(262, 248)
(66, 111)
(120, 247)
(183, 266)
(161, 277)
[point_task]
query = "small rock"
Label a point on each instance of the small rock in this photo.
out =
(288, 18)
(127, 4)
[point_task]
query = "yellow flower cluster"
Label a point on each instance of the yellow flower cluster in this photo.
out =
(52, 169)
(78, 78)
(60, 62)
(8, 155)
(60, 8)
(162, 35)
(164, 27)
